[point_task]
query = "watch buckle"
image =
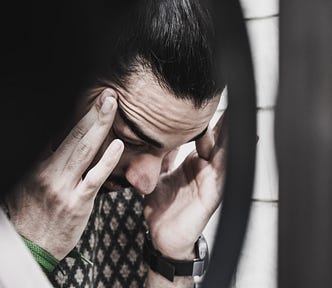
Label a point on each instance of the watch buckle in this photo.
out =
(198, 268)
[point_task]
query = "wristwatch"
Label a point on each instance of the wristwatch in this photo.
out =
(169, 268)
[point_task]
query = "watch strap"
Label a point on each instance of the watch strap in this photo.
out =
(169, 268)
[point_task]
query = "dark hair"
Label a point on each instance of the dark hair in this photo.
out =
(170, 38)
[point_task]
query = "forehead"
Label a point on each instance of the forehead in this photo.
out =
(156, 111)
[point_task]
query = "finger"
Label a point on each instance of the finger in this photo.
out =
(205, 144)
(219, 153)
(168, 161)
(220, 130)
(66, 148)
(88, 146)
(99, 173)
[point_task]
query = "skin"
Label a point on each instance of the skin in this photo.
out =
(144, 103)
(178, 204)
(52, 205)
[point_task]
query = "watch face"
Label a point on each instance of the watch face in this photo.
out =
(202, 248)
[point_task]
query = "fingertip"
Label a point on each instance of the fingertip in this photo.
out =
(113, 154)
(108, 92)
(205, 144)
(118, 145)
(107, 105)
(108, 108)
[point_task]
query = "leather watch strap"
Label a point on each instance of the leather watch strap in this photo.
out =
(169, 268)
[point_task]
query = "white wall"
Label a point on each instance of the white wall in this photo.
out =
(258, 263)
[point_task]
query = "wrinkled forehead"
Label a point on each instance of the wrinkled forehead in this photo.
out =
(159, 113)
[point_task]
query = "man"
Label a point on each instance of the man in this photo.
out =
(156, 95)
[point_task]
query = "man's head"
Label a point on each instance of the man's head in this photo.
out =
(170, 39)
(161, 77)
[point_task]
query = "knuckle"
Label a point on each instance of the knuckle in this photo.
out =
(57, 191)
(49, 186)
(60, 200)
(84, 149)
(42, 179)
(55, 199)
(78, 132)
(69, 207)
(82, 153)
(53, 192)
(91, 183)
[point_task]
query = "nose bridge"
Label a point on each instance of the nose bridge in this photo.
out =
(143, 172)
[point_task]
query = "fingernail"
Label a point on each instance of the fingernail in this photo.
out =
(108, 92)
(107, 105)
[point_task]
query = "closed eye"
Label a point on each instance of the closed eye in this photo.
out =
(132, 146)
(128, 143)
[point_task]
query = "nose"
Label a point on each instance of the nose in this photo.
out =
(143, 172)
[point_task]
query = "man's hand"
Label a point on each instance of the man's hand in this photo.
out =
(184, 200)
(51, 207)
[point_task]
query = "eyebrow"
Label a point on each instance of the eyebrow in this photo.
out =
(139, 133)
(200, 135)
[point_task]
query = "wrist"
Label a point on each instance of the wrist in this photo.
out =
(175, 248)
(176, 253)
(44, 242)
(46, 261)
(171, 266)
